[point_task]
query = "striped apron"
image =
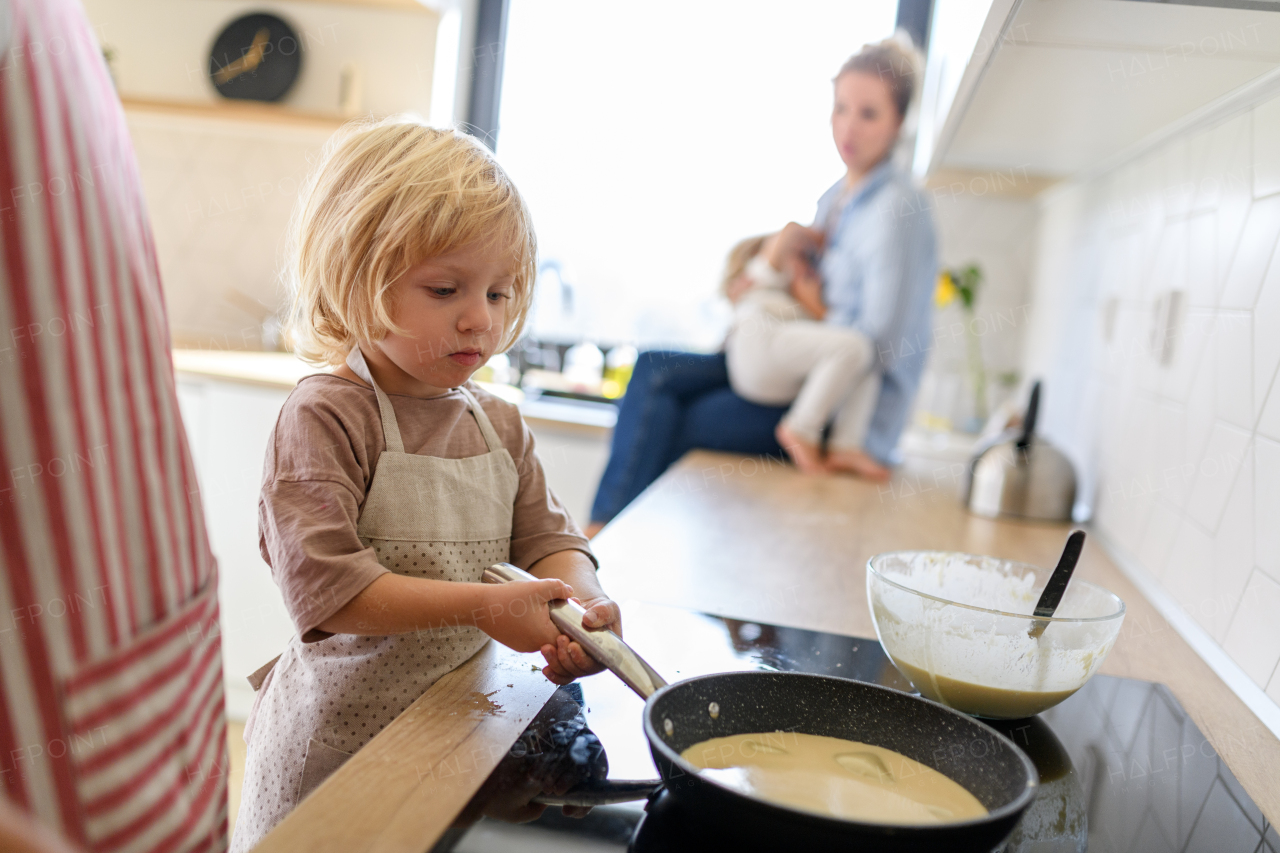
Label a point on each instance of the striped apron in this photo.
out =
(111, 708)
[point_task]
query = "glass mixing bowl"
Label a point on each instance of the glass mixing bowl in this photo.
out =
(958, 627)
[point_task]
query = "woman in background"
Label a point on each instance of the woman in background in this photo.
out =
(874, 248)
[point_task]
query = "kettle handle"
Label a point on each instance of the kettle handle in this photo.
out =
(1029, 420)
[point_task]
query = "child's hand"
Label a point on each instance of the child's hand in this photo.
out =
(515, 614)
(566, 659)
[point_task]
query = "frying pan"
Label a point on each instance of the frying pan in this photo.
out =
(677, 716)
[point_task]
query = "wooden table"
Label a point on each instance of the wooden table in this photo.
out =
(752, 539)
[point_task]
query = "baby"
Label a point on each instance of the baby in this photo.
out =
(778, 352)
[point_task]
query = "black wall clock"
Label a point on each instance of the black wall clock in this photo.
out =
(256, 58)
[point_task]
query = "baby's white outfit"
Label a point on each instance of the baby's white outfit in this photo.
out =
(778, 354)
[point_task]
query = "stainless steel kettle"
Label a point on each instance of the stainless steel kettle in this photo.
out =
(1021, 475)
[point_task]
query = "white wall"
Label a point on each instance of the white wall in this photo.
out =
(1182, 460)
(997, 232)
(220, 194)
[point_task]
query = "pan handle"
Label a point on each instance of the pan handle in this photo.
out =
(603, 645)
(603, 792)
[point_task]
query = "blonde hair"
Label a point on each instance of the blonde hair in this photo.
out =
(894, 61)
(385, 196)
(739, 256)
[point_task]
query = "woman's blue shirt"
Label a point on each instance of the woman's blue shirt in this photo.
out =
(879, 269)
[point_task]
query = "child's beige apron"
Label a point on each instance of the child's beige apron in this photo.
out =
(425, 517)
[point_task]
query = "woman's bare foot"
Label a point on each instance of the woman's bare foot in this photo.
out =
(858, 463)
(808, 457)
(593, 528)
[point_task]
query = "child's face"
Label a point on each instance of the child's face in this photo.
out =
(453, 308)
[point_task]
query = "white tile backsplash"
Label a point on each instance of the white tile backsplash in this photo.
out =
(1179, 177)
(1189, 575)
(1169, 457)
(1170, 269)
(1269, 420)
(1232, 552)
(1233, 368)
(1232, 211)
(1200, 410)
(1216, 474)
(1226, 150)
(1253, 254)
(1188, 452)
(1266, 334)
(1202, 259)
(1162, 527)
(1266, 485)
(1266, 163)
(1253, 641)
(1192, 347)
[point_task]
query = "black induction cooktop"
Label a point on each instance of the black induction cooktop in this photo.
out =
(1122, 767)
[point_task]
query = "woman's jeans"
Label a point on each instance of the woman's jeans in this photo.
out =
(677, 401)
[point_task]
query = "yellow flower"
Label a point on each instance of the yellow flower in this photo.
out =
(946, 290)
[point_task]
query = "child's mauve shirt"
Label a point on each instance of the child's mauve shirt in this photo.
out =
(321, 460)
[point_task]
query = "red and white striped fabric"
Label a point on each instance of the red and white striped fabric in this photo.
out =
(112, 726)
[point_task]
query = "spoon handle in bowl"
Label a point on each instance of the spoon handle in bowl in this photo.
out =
(1057, 585)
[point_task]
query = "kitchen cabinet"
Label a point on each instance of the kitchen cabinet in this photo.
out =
(227, 426)
(1051, 89)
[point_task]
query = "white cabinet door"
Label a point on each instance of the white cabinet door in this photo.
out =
(228, 425)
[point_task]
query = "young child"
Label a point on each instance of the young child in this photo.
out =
(777, 353)
(392, 482)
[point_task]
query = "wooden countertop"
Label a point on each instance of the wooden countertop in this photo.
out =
(402, 791)
(280, 370)
(751, 539)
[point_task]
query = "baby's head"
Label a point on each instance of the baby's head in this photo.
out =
(413, 239)
(739, 256)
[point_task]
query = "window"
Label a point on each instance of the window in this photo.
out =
(649, 138)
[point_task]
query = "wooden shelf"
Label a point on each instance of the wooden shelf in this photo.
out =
(242, 111)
